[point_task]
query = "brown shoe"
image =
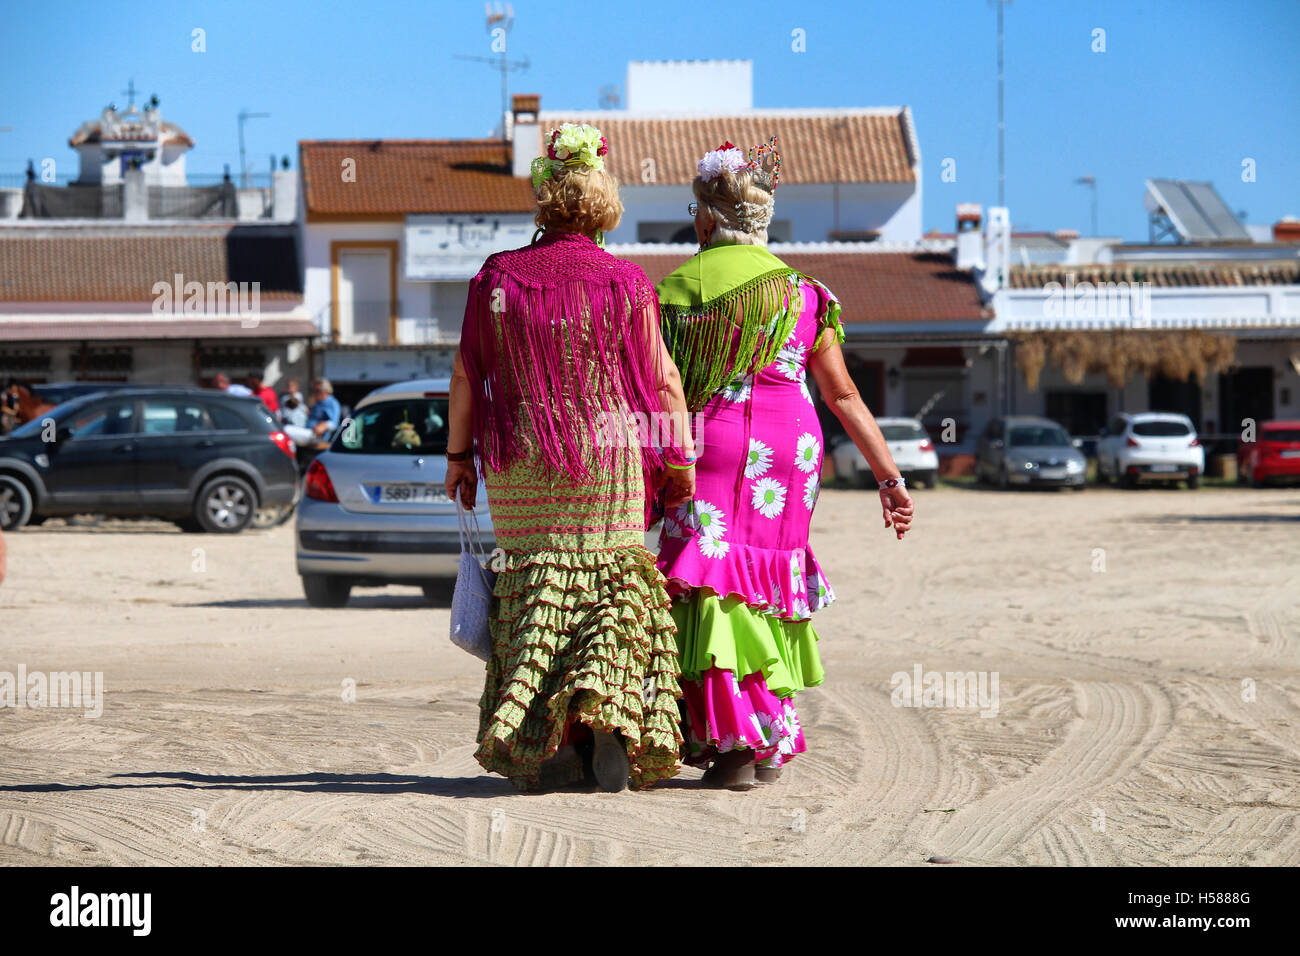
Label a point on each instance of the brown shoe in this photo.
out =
(767, 774)
(733, 770)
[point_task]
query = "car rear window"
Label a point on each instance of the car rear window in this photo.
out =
(412, 426)
(1035, 435)
(908, 431)
(1280, 434)
(1160, 429)
(225, 418)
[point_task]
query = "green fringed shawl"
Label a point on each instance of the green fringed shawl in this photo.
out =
(725, 313)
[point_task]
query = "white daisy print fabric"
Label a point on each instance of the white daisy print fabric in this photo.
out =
(769, 497)
(759, 459)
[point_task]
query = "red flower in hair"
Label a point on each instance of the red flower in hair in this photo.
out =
(604, 147)
(727, 145)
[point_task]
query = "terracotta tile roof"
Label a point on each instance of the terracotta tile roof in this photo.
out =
(57, 330)
(399, 176)
(850, 147)
(121, 264)
(873, 287)
(1161, 274)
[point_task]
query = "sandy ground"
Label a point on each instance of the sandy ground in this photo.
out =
(1121, 733)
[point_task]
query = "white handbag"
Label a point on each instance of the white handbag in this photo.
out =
(472, 598)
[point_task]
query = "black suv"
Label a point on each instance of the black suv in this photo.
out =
(203, 459)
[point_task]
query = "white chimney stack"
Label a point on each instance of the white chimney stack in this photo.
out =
(970, 241)
(525, 132)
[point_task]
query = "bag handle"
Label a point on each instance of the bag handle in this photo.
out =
(471, 538)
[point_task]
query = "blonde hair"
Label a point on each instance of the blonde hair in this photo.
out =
(579, 199)
(740, 203)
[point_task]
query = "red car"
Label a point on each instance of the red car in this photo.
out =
(1275, 454)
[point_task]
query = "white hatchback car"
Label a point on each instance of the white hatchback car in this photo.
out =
(909, 444)
(1150, 446)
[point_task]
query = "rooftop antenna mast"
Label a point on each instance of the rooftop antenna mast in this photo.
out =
(499, 21)
(243, 168)
(1002, 126)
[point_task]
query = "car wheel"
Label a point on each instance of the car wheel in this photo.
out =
(15, 503)
(1194, 482)
(930, 479)
(1004, 479)
(226, 505)
(326, 590)
(1129, 481)
(862, 478)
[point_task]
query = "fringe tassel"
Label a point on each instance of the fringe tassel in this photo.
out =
(557, 363)
(733, 335)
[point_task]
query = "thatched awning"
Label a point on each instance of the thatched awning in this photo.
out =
(1121, 353)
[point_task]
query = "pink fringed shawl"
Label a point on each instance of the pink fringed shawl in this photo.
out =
(564, 335)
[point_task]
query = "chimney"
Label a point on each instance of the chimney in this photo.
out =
(970, 244)
(997, 249)
(525, 131)
(1286, 229)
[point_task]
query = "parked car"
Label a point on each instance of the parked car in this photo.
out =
(1022, 451)
(909, 444)
(1150, 447)
(1274, 454)
(374, 510)
(203, 459)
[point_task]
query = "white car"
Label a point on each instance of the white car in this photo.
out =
(1150, 446)
(909, 444)
(374, 510)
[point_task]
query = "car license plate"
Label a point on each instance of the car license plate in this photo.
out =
(407, 491)
(1163, 468)
(1051, 474)
(1291, 453)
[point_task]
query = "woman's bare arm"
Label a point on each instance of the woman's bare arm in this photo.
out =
(841, 396)
(462, 479)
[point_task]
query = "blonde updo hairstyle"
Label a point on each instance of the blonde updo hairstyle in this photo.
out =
(740, 203)
(579, 199)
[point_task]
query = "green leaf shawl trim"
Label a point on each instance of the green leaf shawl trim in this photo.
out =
(721, 289)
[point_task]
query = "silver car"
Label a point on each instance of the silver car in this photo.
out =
(374, 510)
(1019, 451)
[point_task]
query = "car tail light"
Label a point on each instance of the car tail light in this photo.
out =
(318, 484)
(926, 446)
(1132, 442)
(1196, 442)
(284, 443)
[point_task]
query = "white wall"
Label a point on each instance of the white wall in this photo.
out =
(892, 208)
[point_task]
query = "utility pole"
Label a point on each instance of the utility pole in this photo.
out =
(1091, 183)
(243, 169)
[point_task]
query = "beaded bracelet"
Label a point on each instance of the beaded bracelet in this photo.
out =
(893, 483)
(690, 463)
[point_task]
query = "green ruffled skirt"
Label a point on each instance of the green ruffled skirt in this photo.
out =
(730, 635)
(586, 638)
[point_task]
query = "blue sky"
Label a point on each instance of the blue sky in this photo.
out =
(1186, 88)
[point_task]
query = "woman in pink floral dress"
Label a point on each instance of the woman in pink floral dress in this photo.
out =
(745, 330)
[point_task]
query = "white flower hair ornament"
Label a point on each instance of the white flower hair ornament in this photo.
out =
(570, 145)
(726, 157)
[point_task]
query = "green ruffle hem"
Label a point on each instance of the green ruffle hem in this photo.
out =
(584, 636)
(728, 634)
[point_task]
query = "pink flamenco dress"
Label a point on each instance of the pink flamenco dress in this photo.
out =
(742, 326)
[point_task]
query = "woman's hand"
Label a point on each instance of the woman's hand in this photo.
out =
(897, 506)
(462, 482)
(678, 485)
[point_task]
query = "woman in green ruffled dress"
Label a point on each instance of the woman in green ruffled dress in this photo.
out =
(560, 348)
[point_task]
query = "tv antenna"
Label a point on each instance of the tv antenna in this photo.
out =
(499, 21)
